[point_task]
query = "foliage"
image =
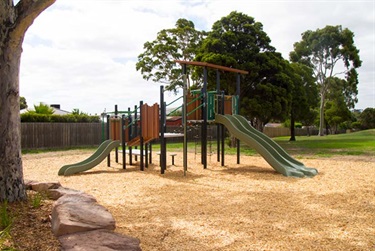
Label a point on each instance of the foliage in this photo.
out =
(5, 218)
(37, 200)
(42, 109)
(23, 103)
(78, 112)
(336, 113)
(69, 118)
(304, 96)
(157, 62)
(322, 50)
(238, 41)
(367, 118)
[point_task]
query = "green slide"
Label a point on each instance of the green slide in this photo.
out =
(96, 158)
(278, 159)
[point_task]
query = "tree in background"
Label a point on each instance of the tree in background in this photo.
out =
(322, 50)
(338, 103)
(14, 22)
(367, 118)
(43, 109)
(157, 62)
(304, 97)
(76, 111)
(23, 103)
(238, 41)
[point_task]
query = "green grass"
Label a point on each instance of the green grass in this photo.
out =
(357, 143)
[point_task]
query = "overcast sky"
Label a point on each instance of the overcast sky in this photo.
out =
(82, 53)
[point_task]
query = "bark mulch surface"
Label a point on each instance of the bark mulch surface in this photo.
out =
(245, 206)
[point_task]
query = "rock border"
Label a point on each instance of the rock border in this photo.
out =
(80, 222)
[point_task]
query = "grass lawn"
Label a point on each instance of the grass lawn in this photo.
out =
(357, 143)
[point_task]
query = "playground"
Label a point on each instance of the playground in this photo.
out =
(247, 206)
(204, 201)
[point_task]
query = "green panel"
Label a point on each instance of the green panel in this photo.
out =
(211, 106)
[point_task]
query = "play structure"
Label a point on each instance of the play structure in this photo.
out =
(135, 130)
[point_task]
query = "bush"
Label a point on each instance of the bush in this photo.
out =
(70, 118)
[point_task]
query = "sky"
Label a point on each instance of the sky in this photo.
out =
(82, 54)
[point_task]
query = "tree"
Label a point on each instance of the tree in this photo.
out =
(76, 111)
(157, 62)
(23, 103)
(43, 109)
(14, 22)
(322, 50)
(304, 96)
(367, 118)
(238, 41)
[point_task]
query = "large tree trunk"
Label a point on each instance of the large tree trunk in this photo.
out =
(11, 175)
(14, 22)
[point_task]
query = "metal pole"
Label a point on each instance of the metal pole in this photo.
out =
(204, 113)
(123, 142)
(162, 138)
(184, 118)
(222, 131)
(237, 112)
(108, 136)
(115, 128)
(217, 110)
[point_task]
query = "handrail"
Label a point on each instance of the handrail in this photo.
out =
(199, 106)
(174, 101)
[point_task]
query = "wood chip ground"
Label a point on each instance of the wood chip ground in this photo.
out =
(245, 206)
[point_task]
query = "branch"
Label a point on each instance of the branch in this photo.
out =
(27, 11)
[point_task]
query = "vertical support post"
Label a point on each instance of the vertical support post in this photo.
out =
(142, 167)
(135, 125)
(123, 143)
(163, 150)
(184, 118)
(115, 128)
(204, 124)
(222, 130)
(218, 127)
(130, 133)
(237, 112)
(108, 137)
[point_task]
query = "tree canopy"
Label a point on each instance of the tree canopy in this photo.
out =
(238, 41)
(157, 62)
(304, 96)
(323, 50)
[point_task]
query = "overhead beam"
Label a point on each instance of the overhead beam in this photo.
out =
(214, 66)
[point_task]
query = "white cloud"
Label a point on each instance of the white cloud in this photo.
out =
(82, 54)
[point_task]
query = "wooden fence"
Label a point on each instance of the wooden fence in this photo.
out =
(60, 135)
(67, 135)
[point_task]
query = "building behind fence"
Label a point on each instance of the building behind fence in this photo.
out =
(70, 135)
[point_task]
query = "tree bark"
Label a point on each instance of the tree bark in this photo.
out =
(14, 22)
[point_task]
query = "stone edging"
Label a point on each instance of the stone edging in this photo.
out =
(79, 222)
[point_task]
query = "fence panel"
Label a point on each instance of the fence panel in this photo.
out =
(60, 135)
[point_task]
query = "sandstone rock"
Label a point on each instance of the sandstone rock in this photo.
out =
(56, 193)
(72, 217)
(44, 186)
(75, 198)
(103, 240)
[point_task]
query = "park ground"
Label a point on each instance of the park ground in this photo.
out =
(246, 206)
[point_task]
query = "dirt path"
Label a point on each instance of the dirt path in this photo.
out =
(237, 207)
